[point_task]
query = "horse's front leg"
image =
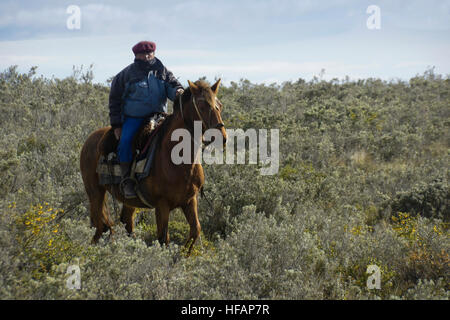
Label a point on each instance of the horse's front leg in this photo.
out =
(191, 214)
(127, 217)
(162, 222)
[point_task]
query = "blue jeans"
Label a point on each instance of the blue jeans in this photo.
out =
(130, 127)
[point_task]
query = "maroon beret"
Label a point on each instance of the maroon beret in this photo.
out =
(144, 47)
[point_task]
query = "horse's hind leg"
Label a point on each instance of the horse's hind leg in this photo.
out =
(99, 214)
(127, 217)
(97, 193)
(162, 222)
(191, 214)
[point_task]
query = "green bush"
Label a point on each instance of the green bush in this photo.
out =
(429, 200)
(363, 180)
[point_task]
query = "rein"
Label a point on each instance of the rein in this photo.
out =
(207, 126)
(218, 126)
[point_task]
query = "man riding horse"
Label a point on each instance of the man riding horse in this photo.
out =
(138, 92)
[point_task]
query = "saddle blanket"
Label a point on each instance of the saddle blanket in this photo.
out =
(108, 167)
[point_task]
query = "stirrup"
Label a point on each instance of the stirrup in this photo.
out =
(122, 190)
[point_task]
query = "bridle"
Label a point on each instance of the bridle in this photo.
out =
(207, 126)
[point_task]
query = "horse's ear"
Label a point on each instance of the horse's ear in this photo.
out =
(194, 88)
(215, 87)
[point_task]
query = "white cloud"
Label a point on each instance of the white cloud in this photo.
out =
(409, 64)
(34, 19)
(7, 60)
(217, 38)
(275, 71)
(431, 15)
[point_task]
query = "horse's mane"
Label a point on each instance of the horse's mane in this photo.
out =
(203, 85)
(145, 132)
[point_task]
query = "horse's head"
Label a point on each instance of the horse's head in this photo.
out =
(206, 107)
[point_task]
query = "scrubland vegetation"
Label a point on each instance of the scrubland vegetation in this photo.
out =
(363, 180)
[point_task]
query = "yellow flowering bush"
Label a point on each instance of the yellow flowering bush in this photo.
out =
(42, 239)
(405, 226)
(423, 260)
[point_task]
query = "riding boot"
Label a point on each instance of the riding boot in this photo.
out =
(127, 183)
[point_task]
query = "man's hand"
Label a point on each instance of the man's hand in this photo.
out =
(117, 133)
(179, 91)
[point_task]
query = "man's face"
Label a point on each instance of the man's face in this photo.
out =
(146, 56)
(149, 55)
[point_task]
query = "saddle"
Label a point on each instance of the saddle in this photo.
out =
(144, 147)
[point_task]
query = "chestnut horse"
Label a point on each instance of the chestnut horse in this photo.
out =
(168, 185)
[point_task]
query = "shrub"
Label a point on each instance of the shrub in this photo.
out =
(425, 199)
(357, 186)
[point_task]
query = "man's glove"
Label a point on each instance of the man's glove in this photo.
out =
(179, 91)
(117, 133)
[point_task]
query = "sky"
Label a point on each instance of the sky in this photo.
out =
(264, 41)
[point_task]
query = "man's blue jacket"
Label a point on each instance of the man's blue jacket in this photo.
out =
(140, 89)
